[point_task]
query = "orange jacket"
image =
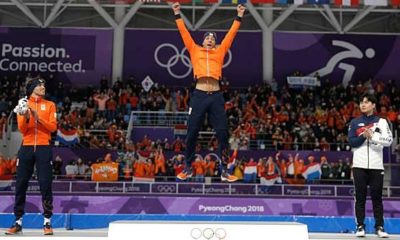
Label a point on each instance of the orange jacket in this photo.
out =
(207, 63)
(38, 133)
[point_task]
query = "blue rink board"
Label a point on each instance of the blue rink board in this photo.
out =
(90, 221)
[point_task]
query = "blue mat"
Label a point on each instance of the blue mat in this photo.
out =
(89, 221)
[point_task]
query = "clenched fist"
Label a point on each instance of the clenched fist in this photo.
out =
(240, 10)
(177, 8)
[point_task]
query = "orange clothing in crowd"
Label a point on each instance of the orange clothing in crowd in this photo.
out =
(134, 100)
(298, 167)
(111, 105)
(3, 168)
(149, 170)
(38, 133)
(199, 168)
(139, 169)
(210, 168)
(283, 168)
(160, 163)
(207, 62)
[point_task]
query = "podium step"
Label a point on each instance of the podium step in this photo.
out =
(186, 230)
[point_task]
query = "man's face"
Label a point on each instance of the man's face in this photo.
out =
(366, 106)
(209, 42)
(40, 90)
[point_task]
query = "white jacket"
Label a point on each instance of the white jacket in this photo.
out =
(370, 154)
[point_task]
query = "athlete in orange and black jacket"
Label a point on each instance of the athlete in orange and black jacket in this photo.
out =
(207, 61)
(36, 121)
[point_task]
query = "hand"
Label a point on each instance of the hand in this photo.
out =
(177, 8)
(22, 106)
(23, 101)
(27, 114)
(240, 10)
(367, 133)
(34, 114)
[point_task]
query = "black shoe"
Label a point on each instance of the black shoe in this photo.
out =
(14, 229)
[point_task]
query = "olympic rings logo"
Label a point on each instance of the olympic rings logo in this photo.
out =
(179, 56)
(208, 233)
(166, 188)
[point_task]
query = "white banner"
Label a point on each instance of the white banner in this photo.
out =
(304, 81)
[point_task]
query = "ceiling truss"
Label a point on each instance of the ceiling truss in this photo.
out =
(113, 14)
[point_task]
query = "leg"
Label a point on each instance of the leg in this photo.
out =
(43, 156)
(219, 122)
(360, 185)
(25, 165)
(197, 111)
(376, 187)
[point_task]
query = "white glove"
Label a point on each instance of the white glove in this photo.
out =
(22, 106)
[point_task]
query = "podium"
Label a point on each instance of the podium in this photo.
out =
(190, 230)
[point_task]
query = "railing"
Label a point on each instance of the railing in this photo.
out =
(158, 118)
(171, 119)
(215, 189)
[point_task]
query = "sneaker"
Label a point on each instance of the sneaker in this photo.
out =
(381, 232)
(360, 232)
(226, 177)
(185, 174)
(14, 229)
(47, 229)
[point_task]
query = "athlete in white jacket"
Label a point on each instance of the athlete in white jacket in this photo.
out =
(368, 135)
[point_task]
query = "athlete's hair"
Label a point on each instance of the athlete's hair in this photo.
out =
(370, 97)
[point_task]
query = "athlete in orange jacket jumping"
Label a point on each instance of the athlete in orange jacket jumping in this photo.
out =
(207, 61)
(36, 121)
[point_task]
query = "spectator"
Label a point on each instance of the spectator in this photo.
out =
(199, 169)
(3, 123)
(82, 169)
(325, 168)
(160, 169)
(57, 164)
(101, 100)
(71, 170)
(3, 167)
(108, 158)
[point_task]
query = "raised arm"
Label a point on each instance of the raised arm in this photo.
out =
(228, 39)
(186, 37)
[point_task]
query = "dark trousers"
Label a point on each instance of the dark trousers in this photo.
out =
(27, 158)
(373, 178)
(213, 104)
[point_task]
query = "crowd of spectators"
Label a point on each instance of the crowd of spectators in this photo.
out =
(159, 167)
(270, 116)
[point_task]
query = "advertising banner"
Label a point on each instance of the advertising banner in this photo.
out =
(343, 59)
(162, 56)
(75, 56)
(200, 205)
